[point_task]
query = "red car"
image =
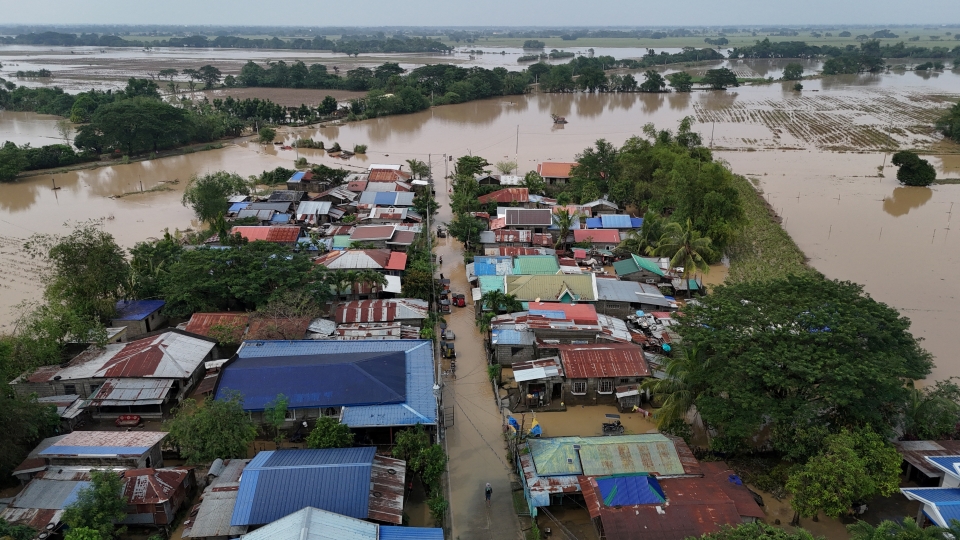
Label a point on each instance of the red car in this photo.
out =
(459, 300)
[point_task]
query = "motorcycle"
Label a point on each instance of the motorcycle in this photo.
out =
(614, 427)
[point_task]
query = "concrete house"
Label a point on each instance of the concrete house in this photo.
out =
(139, 316)
(642, 269)
(539, 383)
(594, 370)
(624, 298)
(602, 240)
(566, 289)
(96, 449)
(374, 236)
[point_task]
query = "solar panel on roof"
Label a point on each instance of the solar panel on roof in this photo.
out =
(615, 221)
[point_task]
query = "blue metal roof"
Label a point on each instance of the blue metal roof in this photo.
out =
(489, 259)
(937, 496)
(276, 484)
(594, 223)
(280, 218)
(507, 336)
(317, 380)
(636, 222)
(549, 313)
(615, 221)
(297, 176)
(484, 269)
(385, 198)
(948, 463)
(236, 207)
(392, 532)
(420, 406)
(630, 489)
(136, 310)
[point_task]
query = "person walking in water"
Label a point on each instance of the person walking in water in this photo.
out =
(488, 491)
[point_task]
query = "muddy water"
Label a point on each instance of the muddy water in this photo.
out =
(29, 128)
(900, 242)
(32, 206)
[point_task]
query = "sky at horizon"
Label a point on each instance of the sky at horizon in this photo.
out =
(489, 13)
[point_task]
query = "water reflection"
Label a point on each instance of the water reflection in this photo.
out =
(905, 199)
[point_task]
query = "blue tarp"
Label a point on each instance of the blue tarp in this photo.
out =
(280, 218)
(484, 269)
(625, 490)
(297, 176)
(236, 207)
(136, 310)
(549, 313)
(276, 484)
(317, 380)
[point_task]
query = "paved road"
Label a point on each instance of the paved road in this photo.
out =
(475, 443)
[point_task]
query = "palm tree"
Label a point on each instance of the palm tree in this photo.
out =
(683, 385)
(483, 323)
(644, 240)
(563, 219)
(890, 530)
(418, 168)
(371, 278)
(499, 302)
(685, 247)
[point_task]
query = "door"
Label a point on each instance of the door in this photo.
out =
(557, 391)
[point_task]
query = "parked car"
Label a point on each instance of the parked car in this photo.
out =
(441, 233)
(459, 300)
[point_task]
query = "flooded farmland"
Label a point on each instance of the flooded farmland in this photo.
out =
(816, 154)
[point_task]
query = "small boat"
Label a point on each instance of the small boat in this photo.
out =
(558, 119)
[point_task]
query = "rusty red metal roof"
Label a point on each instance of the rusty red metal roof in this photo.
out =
(201, 323)
(373, 232)
(403, 238)
(593, 360)
(387, 479)
(576, 313)
(915, 452)
(208, 384)
(511, 235)
(720, 472)
(362, 311)
(278, 233)
(387, 175)
(506, 195)
(550, 169)
(513, 251)
(542, 240)
(152, 486)
(43, 374)
(597, 236)
(357, 186)
(696, 506)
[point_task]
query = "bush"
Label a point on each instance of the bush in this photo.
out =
(438, 509)
(793, 72)
(267, 135)
(798, 87)
(335, 147)
(359, 149)
(913, 171)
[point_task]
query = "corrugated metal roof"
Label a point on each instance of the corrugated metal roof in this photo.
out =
(381, 310)
(652, 453)
(104, 443)
(279, 233)
(914, 453)
(541, 487)
(510, 336)
(387, 486)
(37, 518)
(131, 392)
(276, 484)
(274, 206)
(319, 380)
(529, 217)
(152, 486)
(721, 474)
(373, 232)
(615, 221)
(594, 360)
(236, 207)
(576, 313)
(491, 283)
(136, 310)
(564, 288)
(49, 494)
(392, 532)
(261, 215)
(311, 209)
(280, 219)
(170, 355)
(597, 236)
(201, 324)
(948, 464)
(420, 406)
(315, 524)
(528, 265)
(542, 368)
(506, 195)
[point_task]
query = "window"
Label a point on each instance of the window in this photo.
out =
(613, 305)
(639, 379)
(624, 381)
(579, 387)
(93, 388)
(291, 414)
(69, 389)
(605, 386)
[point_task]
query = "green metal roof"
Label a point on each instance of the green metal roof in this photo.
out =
(601, 456)
(562, 288)
(491, 283)
(636, 263)
(529, 265)
(341, 241)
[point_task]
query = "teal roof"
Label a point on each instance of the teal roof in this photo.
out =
(341, 241)
(602, 456)
(491, 283)
(636, 263)
(529, 265)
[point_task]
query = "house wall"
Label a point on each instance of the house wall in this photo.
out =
(525, 388)
(565, 336)
(152, 322)
(619, 310)
(506, 355)
(593, 396)
(151, 458)
(643, 276)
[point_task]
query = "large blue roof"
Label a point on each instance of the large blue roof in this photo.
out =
(386, 198)
(420, 405)
(317, 380)
(297, 176)
(136, 310)
(937, 496)
(949, 464)
(276, 484)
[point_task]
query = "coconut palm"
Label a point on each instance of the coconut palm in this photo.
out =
(683, 384)
(685, 247)
(418, 168)
(500, 302)
(565, 221)
(371, 278)
(644, 240)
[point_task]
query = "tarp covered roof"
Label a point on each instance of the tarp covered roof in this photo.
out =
(136, 310)
(647, 453)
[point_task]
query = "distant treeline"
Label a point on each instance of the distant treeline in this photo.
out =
(801, 49)
(14, 159)
(347, 44)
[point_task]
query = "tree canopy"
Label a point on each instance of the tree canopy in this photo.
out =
(215, 429)
(913, 171)
(720, 78)
(329, 433)
(207, 194)
(948, 124)
(757, 531)
(797, 352)
(100, 505)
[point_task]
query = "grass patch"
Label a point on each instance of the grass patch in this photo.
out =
(154, 189)
(763, 250)
(946, 181)
(520, 504)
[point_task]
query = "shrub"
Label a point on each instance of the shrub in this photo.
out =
(913, 171)
(359, 149)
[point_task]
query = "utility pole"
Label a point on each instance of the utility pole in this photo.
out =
(516, 151)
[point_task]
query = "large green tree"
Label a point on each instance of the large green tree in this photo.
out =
(800, 351)
(913, 171)
(12, 162)
(932, 412)
(757, 531)
(720, 78)
(135, 126)
(680, 81)
(948, 124)
(653, 81)
(793, 72)
(892, 530)
(329, 433)
(214, 429)
(207, 194)
(100, 505)
(853, 466)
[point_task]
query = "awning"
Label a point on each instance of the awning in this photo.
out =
(131, 392)
(393, 285)
(477, 294)
(530, 374)
(628, 393)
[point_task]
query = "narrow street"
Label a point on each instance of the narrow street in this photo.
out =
(475, 442)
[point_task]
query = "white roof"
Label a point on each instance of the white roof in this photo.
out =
(510, 180)
(314, 524)
(628, 393)
(393, 285)
(313, 208)
(382, 167)
(170, 355)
